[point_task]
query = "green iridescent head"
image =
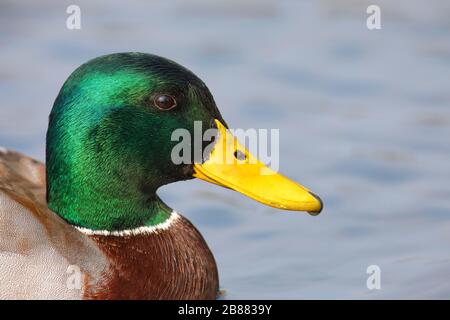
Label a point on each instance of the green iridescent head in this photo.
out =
(110, 146)
(109, 139)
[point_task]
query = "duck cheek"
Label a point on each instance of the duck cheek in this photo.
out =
(187, 171)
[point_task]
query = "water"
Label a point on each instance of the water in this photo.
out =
(363, 115)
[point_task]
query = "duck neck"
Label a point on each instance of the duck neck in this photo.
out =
(102, 201)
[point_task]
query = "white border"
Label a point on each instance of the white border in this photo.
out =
(133, 232)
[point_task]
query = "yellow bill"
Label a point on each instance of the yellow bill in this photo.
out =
(230, 165)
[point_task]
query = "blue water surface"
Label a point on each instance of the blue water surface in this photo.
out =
(364, 120)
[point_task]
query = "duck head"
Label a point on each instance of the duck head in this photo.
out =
(110, 145)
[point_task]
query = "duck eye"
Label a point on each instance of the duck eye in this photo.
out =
(165, 102)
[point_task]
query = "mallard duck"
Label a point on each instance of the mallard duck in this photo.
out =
(89, 224)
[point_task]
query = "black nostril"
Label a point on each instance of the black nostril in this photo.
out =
(315, 213)
(239, 155)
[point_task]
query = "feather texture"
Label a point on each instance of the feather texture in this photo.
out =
(37, 249)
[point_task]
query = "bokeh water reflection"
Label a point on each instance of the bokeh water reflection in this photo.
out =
(363, 115)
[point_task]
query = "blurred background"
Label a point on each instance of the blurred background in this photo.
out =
(364, 119)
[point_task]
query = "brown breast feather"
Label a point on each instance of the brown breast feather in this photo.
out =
(174, 263)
